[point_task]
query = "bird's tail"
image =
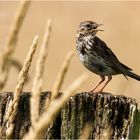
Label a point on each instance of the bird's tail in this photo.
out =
(133, 75)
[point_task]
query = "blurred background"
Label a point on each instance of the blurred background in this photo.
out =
(121, 33)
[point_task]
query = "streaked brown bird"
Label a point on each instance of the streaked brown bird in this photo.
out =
(97, 57)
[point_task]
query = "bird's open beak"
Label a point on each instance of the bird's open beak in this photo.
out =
(99, 25)
(98, 29)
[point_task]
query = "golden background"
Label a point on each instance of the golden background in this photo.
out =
(122, 34)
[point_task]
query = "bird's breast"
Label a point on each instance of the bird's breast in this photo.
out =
(90, 58)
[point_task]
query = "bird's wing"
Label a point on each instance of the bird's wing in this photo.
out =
(109, 56)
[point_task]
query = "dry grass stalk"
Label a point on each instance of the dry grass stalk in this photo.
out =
(61, 75)
(73, 87)
(11, 41)
(4, 70)
(15, 63)
(37, 85)
(49, 115)
(16, 26)
(12, 110)
(86, 132)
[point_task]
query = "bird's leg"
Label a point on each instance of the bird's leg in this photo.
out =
(109, 79)
(103, 78)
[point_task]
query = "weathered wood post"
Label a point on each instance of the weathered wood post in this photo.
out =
(109, 116)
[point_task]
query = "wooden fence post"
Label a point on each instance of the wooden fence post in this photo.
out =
(109, 116)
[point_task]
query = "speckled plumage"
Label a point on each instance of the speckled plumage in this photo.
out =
(96, 56)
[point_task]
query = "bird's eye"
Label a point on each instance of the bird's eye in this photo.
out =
(88, 25)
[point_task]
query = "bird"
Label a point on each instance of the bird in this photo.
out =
(97, 57)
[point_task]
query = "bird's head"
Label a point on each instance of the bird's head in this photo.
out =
(89, 27)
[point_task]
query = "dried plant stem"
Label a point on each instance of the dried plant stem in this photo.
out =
(16, 26)
(15, 63)
(73, 87)
(12, 110)
(49, 115)
(61, 75)
(11, 41)
(60, 78)
(37, 84)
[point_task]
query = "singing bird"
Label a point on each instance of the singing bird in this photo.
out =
(97, 57)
